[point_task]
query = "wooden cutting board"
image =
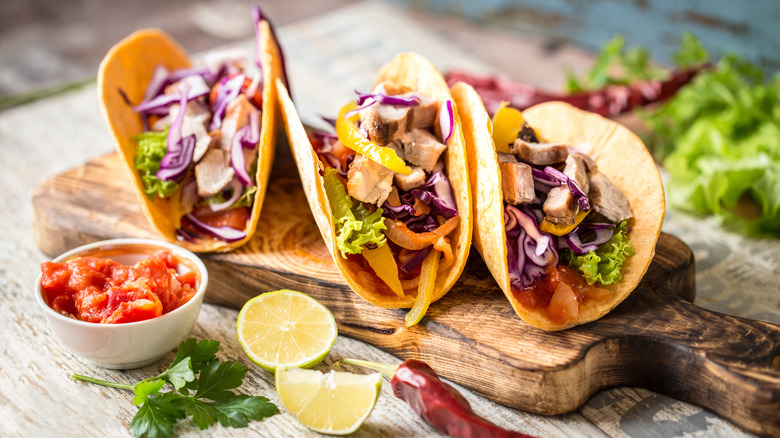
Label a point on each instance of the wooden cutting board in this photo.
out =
(655, 339)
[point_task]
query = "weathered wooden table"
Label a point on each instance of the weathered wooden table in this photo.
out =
(328, 57)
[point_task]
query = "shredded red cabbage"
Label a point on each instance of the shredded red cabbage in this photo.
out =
(235, 188)
(175, 163)
(574, 188)
(446, 120)
(386, 99)
(529, 250)
(158, 82)
(237, 157)
(223, 233)
(587, 237)
(416, 260)
(437, 193)
(159, 105)
(419, 223)
(230, 89)
(365, 100)
(179, 151)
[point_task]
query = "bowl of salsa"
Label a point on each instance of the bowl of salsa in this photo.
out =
(122, 303)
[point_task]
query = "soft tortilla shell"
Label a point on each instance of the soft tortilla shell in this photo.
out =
(129, 66)
(620, 155)
(408, 70)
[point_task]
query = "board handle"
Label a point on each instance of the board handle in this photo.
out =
(726, 364)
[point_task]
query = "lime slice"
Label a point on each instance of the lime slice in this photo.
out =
(334, 403)
(285, 329)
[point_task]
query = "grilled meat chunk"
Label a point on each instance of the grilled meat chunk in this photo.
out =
(540, 154)
(517, 183)
(424, 114)
(384, 123)
(213, 172)
(577, 169)
(411, 181)
(422, 149)
(607, 199)
(561, 206)
(368, 181)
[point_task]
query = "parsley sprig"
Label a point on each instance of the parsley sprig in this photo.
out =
(195, 370)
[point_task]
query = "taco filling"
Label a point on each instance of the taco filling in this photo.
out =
(387, 186)
(205, 154)
(566, 225)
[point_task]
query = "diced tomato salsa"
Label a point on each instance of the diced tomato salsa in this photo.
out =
(100, 290)
(572, 290)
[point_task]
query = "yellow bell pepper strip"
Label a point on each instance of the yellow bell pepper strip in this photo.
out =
(382, 262)
(562, 230)
(350, 136)
(430, 267)
(507, 122)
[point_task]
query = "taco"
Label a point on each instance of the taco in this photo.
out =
(569, 209)
(389, 189)
(200, 174)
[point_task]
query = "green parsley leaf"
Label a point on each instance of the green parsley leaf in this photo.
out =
(218, 378)
(238, 410)
(213, 400)
(145, 388)
(179, 374)
(157, 416)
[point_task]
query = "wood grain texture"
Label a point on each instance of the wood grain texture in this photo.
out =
(654, 339)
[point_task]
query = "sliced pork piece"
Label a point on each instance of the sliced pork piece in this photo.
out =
(607, 199)
(384, 123)
(213, 172)
(422, 149)
(368, 181)
(424, 114)
(541, 154)
(411, 181)
(237, 116)
(517, 183)
(577, 169)
(561, 206)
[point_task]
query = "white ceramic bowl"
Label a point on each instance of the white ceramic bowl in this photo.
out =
(134, 344)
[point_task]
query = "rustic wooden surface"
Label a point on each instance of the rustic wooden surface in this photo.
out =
(472, 335)
(734, 275)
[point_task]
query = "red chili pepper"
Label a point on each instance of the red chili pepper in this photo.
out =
(608, 101)
(435, 401)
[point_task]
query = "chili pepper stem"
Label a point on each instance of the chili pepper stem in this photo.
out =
(387, 370)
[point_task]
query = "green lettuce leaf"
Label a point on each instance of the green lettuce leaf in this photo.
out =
(604, 264)
(150, 152)
(719, 138)
(355, 225)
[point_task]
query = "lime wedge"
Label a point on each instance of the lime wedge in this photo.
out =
(285, 329)
(334, 403)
